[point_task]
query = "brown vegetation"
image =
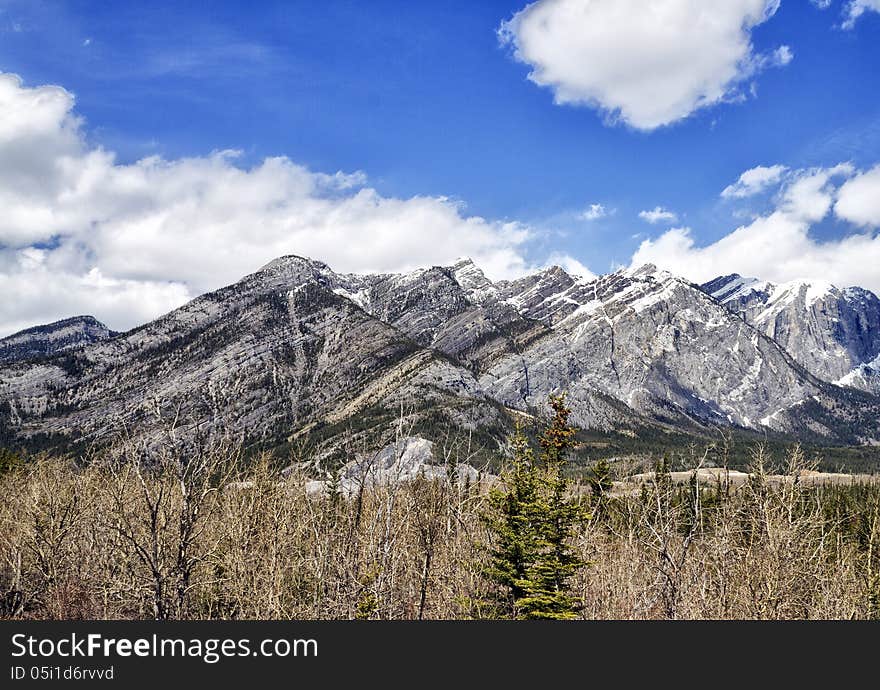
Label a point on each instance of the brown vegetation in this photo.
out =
(213, 537)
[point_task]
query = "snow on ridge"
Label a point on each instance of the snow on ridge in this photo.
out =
(855, 293)
(810, 290)
(360, 298)
(740, 287)
(471, 277)
(49, 336)
(586, 309)
(651, 298)
(817, 290)
(782, 295)
(860, 372)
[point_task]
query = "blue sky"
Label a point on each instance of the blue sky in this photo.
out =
(426, 101)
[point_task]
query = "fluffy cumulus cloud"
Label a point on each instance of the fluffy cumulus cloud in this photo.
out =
(856, 8)
(658, 215)
(778, 246)
(82, 233)
(647, 63)
(859, 199)
(570, 265)
(754, 181)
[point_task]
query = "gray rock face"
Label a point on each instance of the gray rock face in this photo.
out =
(43, 341)
(296, 350)
(865, 377)
(651, 341)
(277, 353)
(834, 333)
(549, 296)
(453, 310)
(404, 460)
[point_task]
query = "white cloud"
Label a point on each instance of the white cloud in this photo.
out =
(754, 181)
(658, 215)
(778, 246)
(778, 58)
(127, 242)
(859, 199)
(570, 265)
(808, 198)
(856, 8)
(595, 212)
(45, 290)
(648, 64)
(783, 55)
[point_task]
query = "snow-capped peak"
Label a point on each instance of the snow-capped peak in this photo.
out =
(810, 290)
(734, 286)
(468, 274)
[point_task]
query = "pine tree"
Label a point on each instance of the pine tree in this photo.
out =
(547, 592)
(512, 519)
(334, 488)
(558, 438)
(9, 461)
(533, 520)
(600, 479)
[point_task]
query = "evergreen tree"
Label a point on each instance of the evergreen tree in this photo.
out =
(9, 461)
(600, 480)
(547, 593)
(533, 520)
(334, 488)
(512, 518)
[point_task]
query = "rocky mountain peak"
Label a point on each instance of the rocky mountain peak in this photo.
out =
(468, 274)
(292, 260)
(50, 339)
(291, 269)
(556, 271)
(733, 287)
(298, 348)
(833, 333)
(645, 271)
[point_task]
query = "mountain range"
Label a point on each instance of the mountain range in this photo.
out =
(297, 351)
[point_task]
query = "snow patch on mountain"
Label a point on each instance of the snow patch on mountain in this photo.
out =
(865, 377)
(832, 332)
(733, 287)
(360, 298)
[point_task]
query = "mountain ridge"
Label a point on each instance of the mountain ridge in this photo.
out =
(833, 332)
(48, 339)
(296, 349)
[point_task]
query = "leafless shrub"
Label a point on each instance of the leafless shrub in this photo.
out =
(195, 531)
